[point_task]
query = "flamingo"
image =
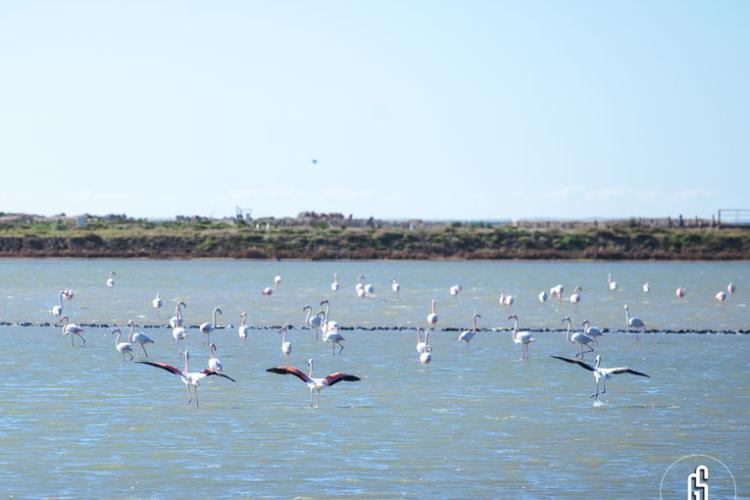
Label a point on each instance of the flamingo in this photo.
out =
(601, 374)
(286, 346)
(313, 322)
(426, 356)
(646, 287)
(432, 318)
(721, 296)
(326, 315)
(522, 338)
(122, 347)
(243, 329)
(68, 294)
(156, 303)
(395, 286)
(139, 338)
(213, 362)
(335, 285)
(71, 329)
(421, 345)
(57, 310)
(267, 291)
(578, 338)
(680, 293)
(612, 284)
(543, 296)
(178, 331)
(575, 298)
(731, 288)
(634, 322)
(207, 328)
(276, 281)
(314, 384)
(505, 300)
(111, 279)
(360, 286)
(455, 289)
(333, 336)
(557, 291)
(190, 379)
(467, 335)
(369, 290)
(592, 331)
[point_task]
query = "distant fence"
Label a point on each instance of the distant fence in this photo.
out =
(734, 216)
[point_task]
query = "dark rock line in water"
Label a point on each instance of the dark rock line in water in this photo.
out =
(44, 324)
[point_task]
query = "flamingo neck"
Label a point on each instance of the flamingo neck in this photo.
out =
(434, 306)
(309, 313)
(187, 362)
(310, 371)
(515, 328)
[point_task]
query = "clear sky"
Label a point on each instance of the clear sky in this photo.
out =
(457, 110)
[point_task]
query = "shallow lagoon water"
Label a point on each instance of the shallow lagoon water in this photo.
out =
(80, 422)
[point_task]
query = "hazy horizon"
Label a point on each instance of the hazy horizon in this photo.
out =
(429, 110)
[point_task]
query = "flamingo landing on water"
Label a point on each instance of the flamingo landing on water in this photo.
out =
(314, 384)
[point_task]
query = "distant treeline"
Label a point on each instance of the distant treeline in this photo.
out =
(240, 239)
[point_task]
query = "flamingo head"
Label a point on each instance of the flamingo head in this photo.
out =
(585, 322)
(513, 316)
(115, 330)
(212, 347)
(324, 302)
(130, 322)
(307, 307)
(566, 319)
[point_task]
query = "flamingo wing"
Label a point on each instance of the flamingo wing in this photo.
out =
(575, 361)
(163, 366)
(335, 378)
(290, 370)
(208, 373)
(626, 370)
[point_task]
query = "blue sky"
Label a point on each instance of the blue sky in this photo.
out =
(458, 110)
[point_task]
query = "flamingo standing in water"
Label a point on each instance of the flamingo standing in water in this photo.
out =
(335, 285)
(243, 328)
(421, 344)
(455, 289)
(190, 379)
(634, 322)
(522, 338)
(207, 328)
(359, 288)
(557, 291)
(578, 338)
(267, 291)
(333, 336)
(68, 294)
(592, 331)
(612, 284)
(213, 362)
(505, 300)
(57, 310)
(395, 286)
(467, 335)
(432, 318)
(286, 346)
(326, 315)
(157, 303)
(426, 357)
(276, 281)
(601, 374)
(139, 338)
(575, 298)
(646, 287)
(179, 334)
(721, 296)
(71, 329)
(731, 288)
(122, 347)
(680, 293)
(543, 296)
(111, 279)
(314, 384)
(313, 322)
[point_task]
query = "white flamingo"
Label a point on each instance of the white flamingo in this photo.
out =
(179, 334)
(467, 335)
(139, 338)
(57, 310)
(369, 290)
(326, 314)
(522, 338)
(601, 374)
(333, 336)
(314, 384)
(557, 291)
(721, 296)
(335, 285)
(455, 289)
(575, 298)
(634, 322)
(156, 303)
(71, 329)
(432, 318)
(426, 356)
(207, 327)
(190, 379)
(395, 286)
(122, 347)
(68, 294)
(731, 288)
(421, 344)
(267, 291)
(359, 288)
(286, 346)
(276, 281)
(505, 300)
(592, 331)
(111, 279)
(646, 287)
(243, 328)
(680, 293)
(213, 362)
(543, 296)
(578, 338)
(313, 322)
(612, 284)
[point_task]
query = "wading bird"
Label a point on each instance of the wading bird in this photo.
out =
(522, 338)
(421, 344)
(721, 296)
(432, 318)
(557, 291)
(122, 347)
(505, 300)
(578, 338)
(276, 281)
(426, 356)
(179, 334)
(71, 329)
(111, 279)
(395, 286)
(207, 328)
(68, 294)
(313, 322)
(612, 284)
(335, 285)
(731, 288)
(286, 346)
(592, 331)
(634, 322)
(190, 379)
(139, 338)
(680, 293)
(57, 310)
(646, 287)
(243, 328)
(213, 362)
(575, 298)
(455, 289)
(267, 291)
(333, 336)
(156, 303)
(600, 374)
(543, 296)
(314, 384)
(467, 335)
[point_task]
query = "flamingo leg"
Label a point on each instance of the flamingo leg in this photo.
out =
(144, 349)
(590, 349)
(333, 345)
(596, 394)
(190, 396)
(195, 390)
(312, 396)
(342, 348)
(84, 340)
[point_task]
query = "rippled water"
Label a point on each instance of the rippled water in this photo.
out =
(477, 422)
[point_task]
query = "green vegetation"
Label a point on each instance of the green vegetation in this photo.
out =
(118, 236)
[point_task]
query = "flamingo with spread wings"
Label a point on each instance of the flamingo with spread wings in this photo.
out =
(314, 384)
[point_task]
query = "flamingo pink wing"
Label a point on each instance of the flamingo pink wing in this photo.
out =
(163, 366)
(335, 378)
(290, 370)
